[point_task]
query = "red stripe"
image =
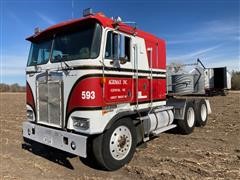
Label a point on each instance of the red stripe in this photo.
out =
(89, 92)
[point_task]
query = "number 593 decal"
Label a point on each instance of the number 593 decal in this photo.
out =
(88, 95)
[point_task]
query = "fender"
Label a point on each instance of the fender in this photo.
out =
(119, 116)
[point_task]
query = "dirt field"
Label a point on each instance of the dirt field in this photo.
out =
(212, 152)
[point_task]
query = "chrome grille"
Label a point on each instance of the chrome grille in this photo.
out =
(54, 103)
(49, 102)
(42, 102)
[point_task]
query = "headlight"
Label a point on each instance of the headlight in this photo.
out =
(80, 123)
(30, 115)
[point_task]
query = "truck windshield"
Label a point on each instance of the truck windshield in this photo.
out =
(81, 43)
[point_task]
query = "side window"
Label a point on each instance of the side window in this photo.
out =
(126, 48)
(117, 46)
(109, 46)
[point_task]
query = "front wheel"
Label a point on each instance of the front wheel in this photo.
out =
(116, 146)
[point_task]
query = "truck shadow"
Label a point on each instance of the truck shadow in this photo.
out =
(57, 156)
(91, 163)
(61, 157)
(49, 153)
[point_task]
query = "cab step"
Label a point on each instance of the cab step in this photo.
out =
(166, 128)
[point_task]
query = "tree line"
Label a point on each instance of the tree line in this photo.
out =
(12, 88)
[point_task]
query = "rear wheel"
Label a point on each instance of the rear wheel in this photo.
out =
(201, 113)
(116, 146)
(186, 126)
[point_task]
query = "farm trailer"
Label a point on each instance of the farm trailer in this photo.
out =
(198, 80)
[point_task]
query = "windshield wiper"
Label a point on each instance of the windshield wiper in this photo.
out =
(66, 64)
(63, 60)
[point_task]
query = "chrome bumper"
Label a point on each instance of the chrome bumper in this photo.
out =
(55, 138)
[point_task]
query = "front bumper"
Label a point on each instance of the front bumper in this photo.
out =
(62, 140)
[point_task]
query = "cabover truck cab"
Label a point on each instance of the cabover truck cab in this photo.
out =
(96, 88)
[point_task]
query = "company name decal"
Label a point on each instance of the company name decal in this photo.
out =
(118, 90)
(117, 82)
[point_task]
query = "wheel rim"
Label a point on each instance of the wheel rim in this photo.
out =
(203, 112)
(190, 117)
(120, 142)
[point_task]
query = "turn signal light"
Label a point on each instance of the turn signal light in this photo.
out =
(81, 123)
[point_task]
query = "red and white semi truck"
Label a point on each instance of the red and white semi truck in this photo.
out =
(96, 88)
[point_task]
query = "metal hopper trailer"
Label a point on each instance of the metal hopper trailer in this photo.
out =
(197, 81)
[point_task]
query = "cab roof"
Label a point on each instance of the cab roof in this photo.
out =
(98, 17)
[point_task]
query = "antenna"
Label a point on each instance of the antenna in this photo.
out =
(72, 9)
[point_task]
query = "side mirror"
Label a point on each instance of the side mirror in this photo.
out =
(119, 56)
(116, 51)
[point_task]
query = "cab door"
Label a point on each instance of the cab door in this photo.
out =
(118, 69)
(142, 75)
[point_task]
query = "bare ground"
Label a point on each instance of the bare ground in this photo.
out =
(212, 152)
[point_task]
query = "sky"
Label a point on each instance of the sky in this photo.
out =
(205, 29)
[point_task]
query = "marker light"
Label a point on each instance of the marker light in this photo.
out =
(103, 80)
(30, 115)
(37, 30)
(87, 12)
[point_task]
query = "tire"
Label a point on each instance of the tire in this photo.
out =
(201, 113)
(116, 146)
(187, 125)
(224, 93)
(91, 160)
